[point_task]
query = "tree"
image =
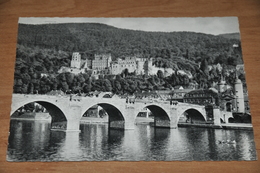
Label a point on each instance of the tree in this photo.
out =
(69, 78)
(160, 74)
(232, 61)
(118, 86)
(29, 107)
(107, 85)
(64, 86)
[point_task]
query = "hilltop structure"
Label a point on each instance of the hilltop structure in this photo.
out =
(103, 64)
(77, 65)
(120, 65)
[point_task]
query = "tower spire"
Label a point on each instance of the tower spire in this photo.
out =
(236, 74)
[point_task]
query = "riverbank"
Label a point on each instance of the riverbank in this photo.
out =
(200, 125)
(230, 126)
(243, 126)
(94, 120)
(143, 120)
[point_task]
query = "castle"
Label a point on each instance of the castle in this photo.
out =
(103, 64)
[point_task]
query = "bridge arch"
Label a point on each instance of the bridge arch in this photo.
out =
(161, 115)
(115, 116)
(58, 118)
(158, 112)
(193, 115)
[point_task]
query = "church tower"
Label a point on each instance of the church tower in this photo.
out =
(222, 85)
(76, 60)
(239, 96)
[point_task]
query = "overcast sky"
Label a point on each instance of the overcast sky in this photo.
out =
(209, 25)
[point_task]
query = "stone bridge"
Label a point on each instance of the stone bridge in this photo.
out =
(66, 111)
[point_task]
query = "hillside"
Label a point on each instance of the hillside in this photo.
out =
(231, 36)
(90, 38)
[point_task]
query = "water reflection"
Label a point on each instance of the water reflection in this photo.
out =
(32, 140)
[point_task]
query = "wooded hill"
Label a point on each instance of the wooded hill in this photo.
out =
(45, 48)
(90, 38)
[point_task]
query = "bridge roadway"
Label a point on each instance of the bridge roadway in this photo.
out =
(66, 111)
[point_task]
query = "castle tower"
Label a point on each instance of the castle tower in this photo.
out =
(149, 66)
(239, 100)
(76, 60)
(222, 85)
(109, 60)
(140, 66)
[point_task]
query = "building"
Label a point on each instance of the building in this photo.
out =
(120, 65)
(140, 66)
(227, 100)
(178, 94)
(71, 70)
(239, 97)
(202, 97)
(101, 61)
(165, 94)
(76, 60)
(77, 65)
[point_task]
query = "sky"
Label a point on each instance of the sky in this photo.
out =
(208, 25)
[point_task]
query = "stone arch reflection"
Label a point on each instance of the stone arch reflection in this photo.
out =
(42, 110)
(194, 116)
(113, 115)
(161, 118)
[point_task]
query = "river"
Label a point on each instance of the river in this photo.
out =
(34, 141)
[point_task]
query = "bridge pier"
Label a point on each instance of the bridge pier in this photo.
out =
(174, 117)
(73, 125)
(66, 126)
(73, 115)
(165, 122)
(129, 125)
(216, 113)
(129, 112)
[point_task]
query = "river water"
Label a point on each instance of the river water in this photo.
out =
(34, 141)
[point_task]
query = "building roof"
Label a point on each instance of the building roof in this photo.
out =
(227, 97)
(182, 90)
(201, 91)
(164, 92)
(238, 81)
(147, 93)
